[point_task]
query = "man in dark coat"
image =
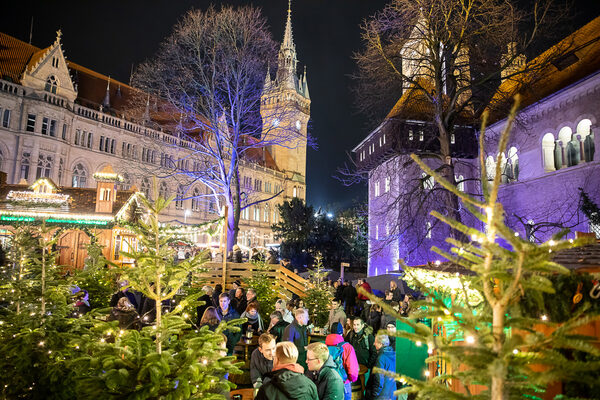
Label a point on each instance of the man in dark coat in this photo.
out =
(329, 382)
(379, 385)
(261, 361)
(227, 313)
(287, 380)
(349, 295)
(362, 340)
(296, 333)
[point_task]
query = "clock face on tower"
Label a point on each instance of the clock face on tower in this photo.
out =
(298, 124)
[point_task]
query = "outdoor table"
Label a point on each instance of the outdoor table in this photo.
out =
(247, 394)
(316, 337)
(245, 346)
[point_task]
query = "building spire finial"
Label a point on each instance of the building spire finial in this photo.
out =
(106, 102)
(288, 40)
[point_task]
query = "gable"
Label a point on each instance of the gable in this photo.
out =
(49, 66)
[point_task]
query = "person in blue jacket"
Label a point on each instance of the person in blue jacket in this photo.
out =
(381, 386)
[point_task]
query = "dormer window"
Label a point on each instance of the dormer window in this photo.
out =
(51, 84)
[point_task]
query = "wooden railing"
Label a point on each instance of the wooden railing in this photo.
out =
(286, 281)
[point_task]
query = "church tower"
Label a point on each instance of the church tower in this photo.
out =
(285, 110)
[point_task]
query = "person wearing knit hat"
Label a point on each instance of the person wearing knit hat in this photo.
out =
(235, 285)
(343, 353)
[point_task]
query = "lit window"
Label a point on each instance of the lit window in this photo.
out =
(411, 134)
(377, 189)
(79, 176)
(460, 182)
(428, 181)
(428, 232)
(295, 192)
(452, 138)
(421, 136)
(387, 184)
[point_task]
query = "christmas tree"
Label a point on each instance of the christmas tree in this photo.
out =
(167, 359)
(264, 285)
(35, 328)
(509, 354)
(318, 295)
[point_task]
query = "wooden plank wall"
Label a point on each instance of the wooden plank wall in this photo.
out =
(286, 281)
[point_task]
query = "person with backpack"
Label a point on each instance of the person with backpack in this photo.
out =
(343, 356)
(361, 338)
(329, 383)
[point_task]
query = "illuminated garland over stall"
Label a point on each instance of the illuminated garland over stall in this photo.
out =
(445, 285)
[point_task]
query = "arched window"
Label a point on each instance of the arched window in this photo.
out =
(428, 181)
(51, 84)
(44, 166)
(163, 190)
(146, 188)
(503, 165)
(512, 165)
(548, 152)
(460, 183)
(584, 130)
(79, 176)
(266, 213)
(564, 137)
(25, 165)
(490, 168)
(179, 197)
(196, 200)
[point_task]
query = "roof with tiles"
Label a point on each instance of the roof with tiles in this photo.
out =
(16, 56)
(567, 62)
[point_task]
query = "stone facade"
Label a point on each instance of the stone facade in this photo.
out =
(66, 122)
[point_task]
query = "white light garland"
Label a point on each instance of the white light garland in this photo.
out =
(37, 197)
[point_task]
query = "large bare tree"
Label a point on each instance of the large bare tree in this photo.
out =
(207, 79)
(444, 60)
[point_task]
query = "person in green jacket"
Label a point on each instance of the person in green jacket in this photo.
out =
(330, 385)
(287, 380)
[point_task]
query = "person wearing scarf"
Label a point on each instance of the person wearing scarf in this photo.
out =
(254, 322)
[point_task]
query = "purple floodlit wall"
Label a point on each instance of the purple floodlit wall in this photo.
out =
(553, 151)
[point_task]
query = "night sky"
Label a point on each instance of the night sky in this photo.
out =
(111, 36)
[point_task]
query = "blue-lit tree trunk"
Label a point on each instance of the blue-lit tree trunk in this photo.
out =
(207, 79)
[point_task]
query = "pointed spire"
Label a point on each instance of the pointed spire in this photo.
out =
(305, 84)
(106, 102)
(118, 94)
(268, 77)
(288, 40)
(147, 111)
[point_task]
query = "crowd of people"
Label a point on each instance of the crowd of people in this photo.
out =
(286, 366)
(359, 336)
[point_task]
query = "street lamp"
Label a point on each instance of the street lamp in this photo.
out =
(330, 215)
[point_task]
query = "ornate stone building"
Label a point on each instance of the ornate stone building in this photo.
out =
(551, 154)
(66, 122)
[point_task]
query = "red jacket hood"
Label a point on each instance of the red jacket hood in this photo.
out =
(333, 339)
